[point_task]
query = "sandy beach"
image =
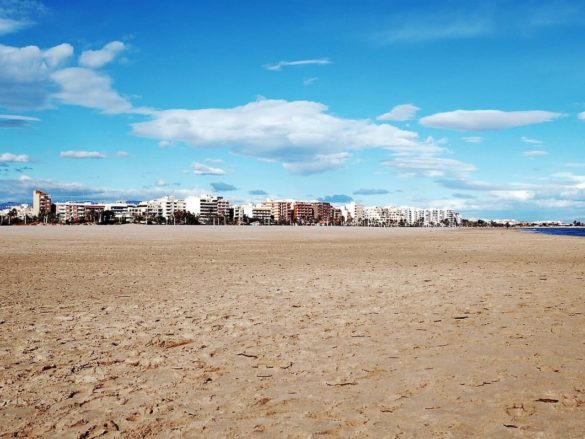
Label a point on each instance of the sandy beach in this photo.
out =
(153, 331)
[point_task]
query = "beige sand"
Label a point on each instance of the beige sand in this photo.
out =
(136, 331)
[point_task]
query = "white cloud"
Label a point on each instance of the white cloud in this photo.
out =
(16, 15)
(15, 121)
(292, 133)
(8, 25)
(201, 169)
(429, 166)
(319, 163)
(87, 88)
(95, 59)
(530, 141)
(310, 81)
(473, 139)
(14, 158)
(400, 113)
(166, 144)
(58, 55)
(83, 154)
(484, 120)
(25, 74)
(213, 161)
(534, 153)
(442, 24)
(303, 62)
(31, 78)
(20, 190)
(514, 195)
(122, 154)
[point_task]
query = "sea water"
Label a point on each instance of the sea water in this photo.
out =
(567, 231)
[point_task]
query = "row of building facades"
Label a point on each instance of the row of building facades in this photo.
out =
(210, 209)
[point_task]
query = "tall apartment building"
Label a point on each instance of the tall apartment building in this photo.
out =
(322, 211)
(41, 203)
(208, 207)
(223, 207)
(261, 213)
(303, 212)
(169, 205)
(280, 210)
(355, 213)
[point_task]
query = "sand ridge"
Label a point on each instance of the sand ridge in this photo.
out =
(134, 331)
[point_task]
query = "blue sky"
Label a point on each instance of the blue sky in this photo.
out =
(477, 106)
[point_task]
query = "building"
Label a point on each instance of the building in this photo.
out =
(322, 212)
(79, 212)
(281, 211)
(303, 213)
(41, 203)
(259, 213)
(223, 207)
(207, 207)
(122, 210)
(354, 213)
(169, 206)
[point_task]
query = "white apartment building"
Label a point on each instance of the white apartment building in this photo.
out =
(169, 205)
(122, 210)
(353, 212)
(207, 207)
(259, 212)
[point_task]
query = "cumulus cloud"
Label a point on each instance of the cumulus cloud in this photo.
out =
(534, 153)
(400, 113)
(486, 120)
(301, 135)
(15, 121)
(201, 169)
(514, 195)
(223, 187)
(95, 59)
(32, 78)
(83, 154)
(25, 72)
(371, 192)
(13, 158)
(86, 88)
(303, 62)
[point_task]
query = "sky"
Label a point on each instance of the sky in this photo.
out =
(476, 106)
